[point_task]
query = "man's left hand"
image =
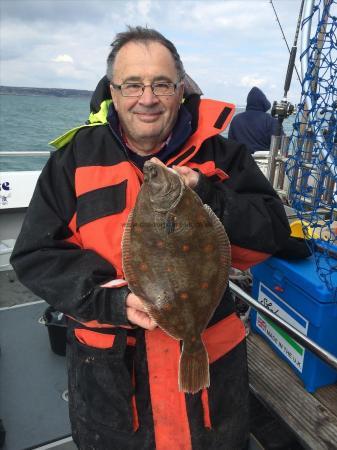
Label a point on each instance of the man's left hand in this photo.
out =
(190, 177)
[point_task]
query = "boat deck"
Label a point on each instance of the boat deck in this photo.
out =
(311, 417)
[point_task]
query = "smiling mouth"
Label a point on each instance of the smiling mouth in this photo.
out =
(148, 117)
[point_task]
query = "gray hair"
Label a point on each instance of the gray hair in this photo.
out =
(143, 35)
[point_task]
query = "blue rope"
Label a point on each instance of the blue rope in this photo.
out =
(312, 164)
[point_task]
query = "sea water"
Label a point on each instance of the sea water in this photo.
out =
(29, 123)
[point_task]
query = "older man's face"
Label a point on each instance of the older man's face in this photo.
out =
(149, 119)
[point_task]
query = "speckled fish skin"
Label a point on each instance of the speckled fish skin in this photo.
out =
(176, 257)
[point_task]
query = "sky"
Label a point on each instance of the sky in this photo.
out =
(227, 46)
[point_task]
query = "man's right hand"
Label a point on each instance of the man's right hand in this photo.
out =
(136, 313)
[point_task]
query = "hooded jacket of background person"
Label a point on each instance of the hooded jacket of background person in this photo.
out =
(255, 126)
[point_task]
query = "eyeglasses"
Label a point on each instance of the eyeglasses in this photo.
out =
(137, 89)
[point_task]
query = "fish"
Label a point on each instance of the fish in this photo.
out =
(176, 258)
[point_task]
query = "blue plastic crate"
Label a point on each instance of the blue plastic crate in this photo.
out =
(293, 291)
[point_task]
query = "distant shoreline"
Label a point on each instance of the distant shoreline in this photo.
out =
(55, 92)
(38, 92)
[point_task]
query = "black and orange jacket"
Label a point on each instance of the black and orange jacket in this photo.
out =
(70, 240)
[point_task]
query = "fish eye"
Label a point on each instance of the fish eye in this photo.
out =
(153, 171)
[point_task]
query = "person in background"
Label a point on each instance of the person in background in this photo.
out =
(123, 369)
(255, 126)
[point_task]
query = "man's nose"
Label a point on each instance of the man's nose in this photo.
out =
(148, 97)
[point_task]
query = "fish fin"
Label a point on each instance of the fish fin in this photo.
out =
(126, 246)
(193, 368)
(129, 273)
(219, 228)
(224, 249)
(162, 322)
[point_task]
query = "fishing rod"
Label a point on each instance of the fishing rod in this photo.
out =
(293, 52)
(284, 38)
(283, 109)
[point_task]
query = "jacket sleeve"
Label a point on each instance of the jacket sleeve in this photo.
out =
(247, 205)
(48, 257)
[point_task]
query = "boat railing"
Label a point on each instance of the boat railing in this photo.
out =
(300, 338)
(26, 153)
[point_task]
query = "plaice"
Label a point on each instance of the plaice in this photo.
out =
(176, 257)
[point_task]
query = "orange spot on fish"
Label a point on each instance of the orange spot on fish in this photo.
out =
(184, 296)
(160, 244)
(208, 248)
(201, 220)
(169, 269)
(167, 307)
(144, 267)
(185, 248)
(204, 285)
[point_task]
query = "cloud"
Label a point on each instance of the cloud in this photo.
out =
(53, 11)
(227, 15)
(252, 80)
(226, 46)
(63, 59)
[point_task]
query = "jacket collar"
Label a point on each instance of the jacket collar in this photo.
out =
(180, 133)
(213, 118)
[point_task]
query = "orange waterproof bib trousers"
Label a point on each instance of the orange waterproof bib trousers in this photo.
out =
(124, 394)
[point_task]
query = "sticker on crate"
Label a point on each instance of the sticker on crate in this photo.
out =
(290, 348)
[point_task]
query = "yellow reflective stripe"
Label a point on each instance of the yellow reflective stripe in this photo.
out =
(98, 118)
(101, 115)
(61, 141)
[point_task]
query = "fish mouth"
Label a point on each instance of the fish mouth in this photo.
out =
(165, 192)
(150, 171)
(155, 174)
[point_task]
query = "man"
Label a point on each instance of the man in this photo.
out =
(123, 389)
(255, 126)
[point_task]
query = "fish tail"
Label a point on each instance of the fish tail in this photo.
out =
(193, 368)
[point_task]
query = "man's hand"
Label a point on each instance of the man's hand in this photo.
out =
(136, 313)
(190, 177)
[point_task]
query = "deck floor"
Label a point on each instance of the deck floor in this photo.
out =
(12, 292)
(33, 380)
(311, 417)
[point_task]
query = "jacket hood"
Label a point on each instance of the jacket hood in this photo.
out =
(101, 93)
(256, 100)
